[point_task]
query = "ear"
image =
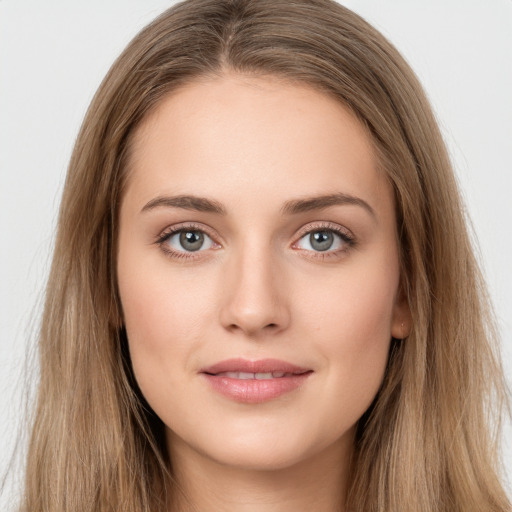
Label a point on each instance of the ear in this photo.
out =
(401, 321)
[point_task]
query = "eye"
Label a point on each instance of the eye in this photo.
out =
(325, 240)
(190, 241)
(180, 241)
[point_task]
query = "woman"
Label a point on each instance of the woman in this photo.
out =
(254, 303)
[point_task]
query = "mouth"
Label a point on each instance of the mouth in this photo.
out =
(257, 376)
(255, 382)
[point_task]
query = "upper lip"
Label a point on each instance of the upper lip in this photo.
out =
(260, 366)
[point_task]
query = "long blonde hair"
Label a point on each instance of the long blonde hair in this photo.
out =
(429, 441)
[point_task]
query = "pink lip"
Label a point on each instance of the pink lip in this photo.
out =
(255, 390)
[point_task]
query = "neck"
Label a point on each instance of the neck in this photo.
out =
(317, 483)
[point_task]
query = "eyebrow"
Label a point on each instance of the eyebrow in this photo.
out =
(293, 207)
(325, 201)
(199, 204)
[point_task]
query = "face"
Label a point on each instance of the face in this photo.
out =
(258, 271)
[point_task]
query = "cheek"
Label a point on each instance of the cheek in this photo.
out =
(351, 322)
(356, 304)
(164, 315)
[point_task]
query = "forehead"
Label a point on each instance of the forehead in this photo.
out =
(243, 134)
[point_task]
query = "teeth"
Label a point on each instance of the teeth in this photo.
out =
(263, 376)
(257, 376)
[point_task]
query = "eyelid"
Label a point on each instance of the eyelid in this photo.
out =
(326, 225)
(183, 226)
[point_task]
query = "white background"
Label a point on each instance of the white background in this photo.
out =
(53, 55)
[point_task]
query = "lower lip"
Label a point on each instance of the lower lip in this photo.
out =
(254, 391)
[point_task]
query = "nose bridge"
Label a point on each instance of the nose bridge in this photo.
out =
(254, 301)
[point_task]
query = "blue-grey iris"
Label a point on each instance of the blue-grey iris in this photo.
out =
(191, 240)
(321, 240)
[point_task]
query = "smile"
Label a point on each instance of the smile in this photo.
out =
(255, 382)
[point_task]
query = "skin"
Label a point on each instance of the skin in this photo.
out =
(258, 289)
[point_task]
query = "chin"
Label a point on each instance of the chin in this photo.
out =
(262, 450)
(257, 458)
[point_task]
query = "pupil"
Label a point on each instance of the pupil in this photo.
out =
(191, 240)
(321, 240)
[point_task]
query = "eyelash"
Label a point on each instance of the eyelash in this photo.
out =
(346, 237)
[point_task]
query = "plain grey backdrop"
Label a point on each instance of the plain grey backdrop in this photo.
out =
(53, 55)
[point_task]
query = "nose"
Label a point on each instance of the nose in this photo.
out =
(255, 300)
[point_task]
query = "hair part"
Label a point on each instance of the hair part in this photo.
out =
(426, 443)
